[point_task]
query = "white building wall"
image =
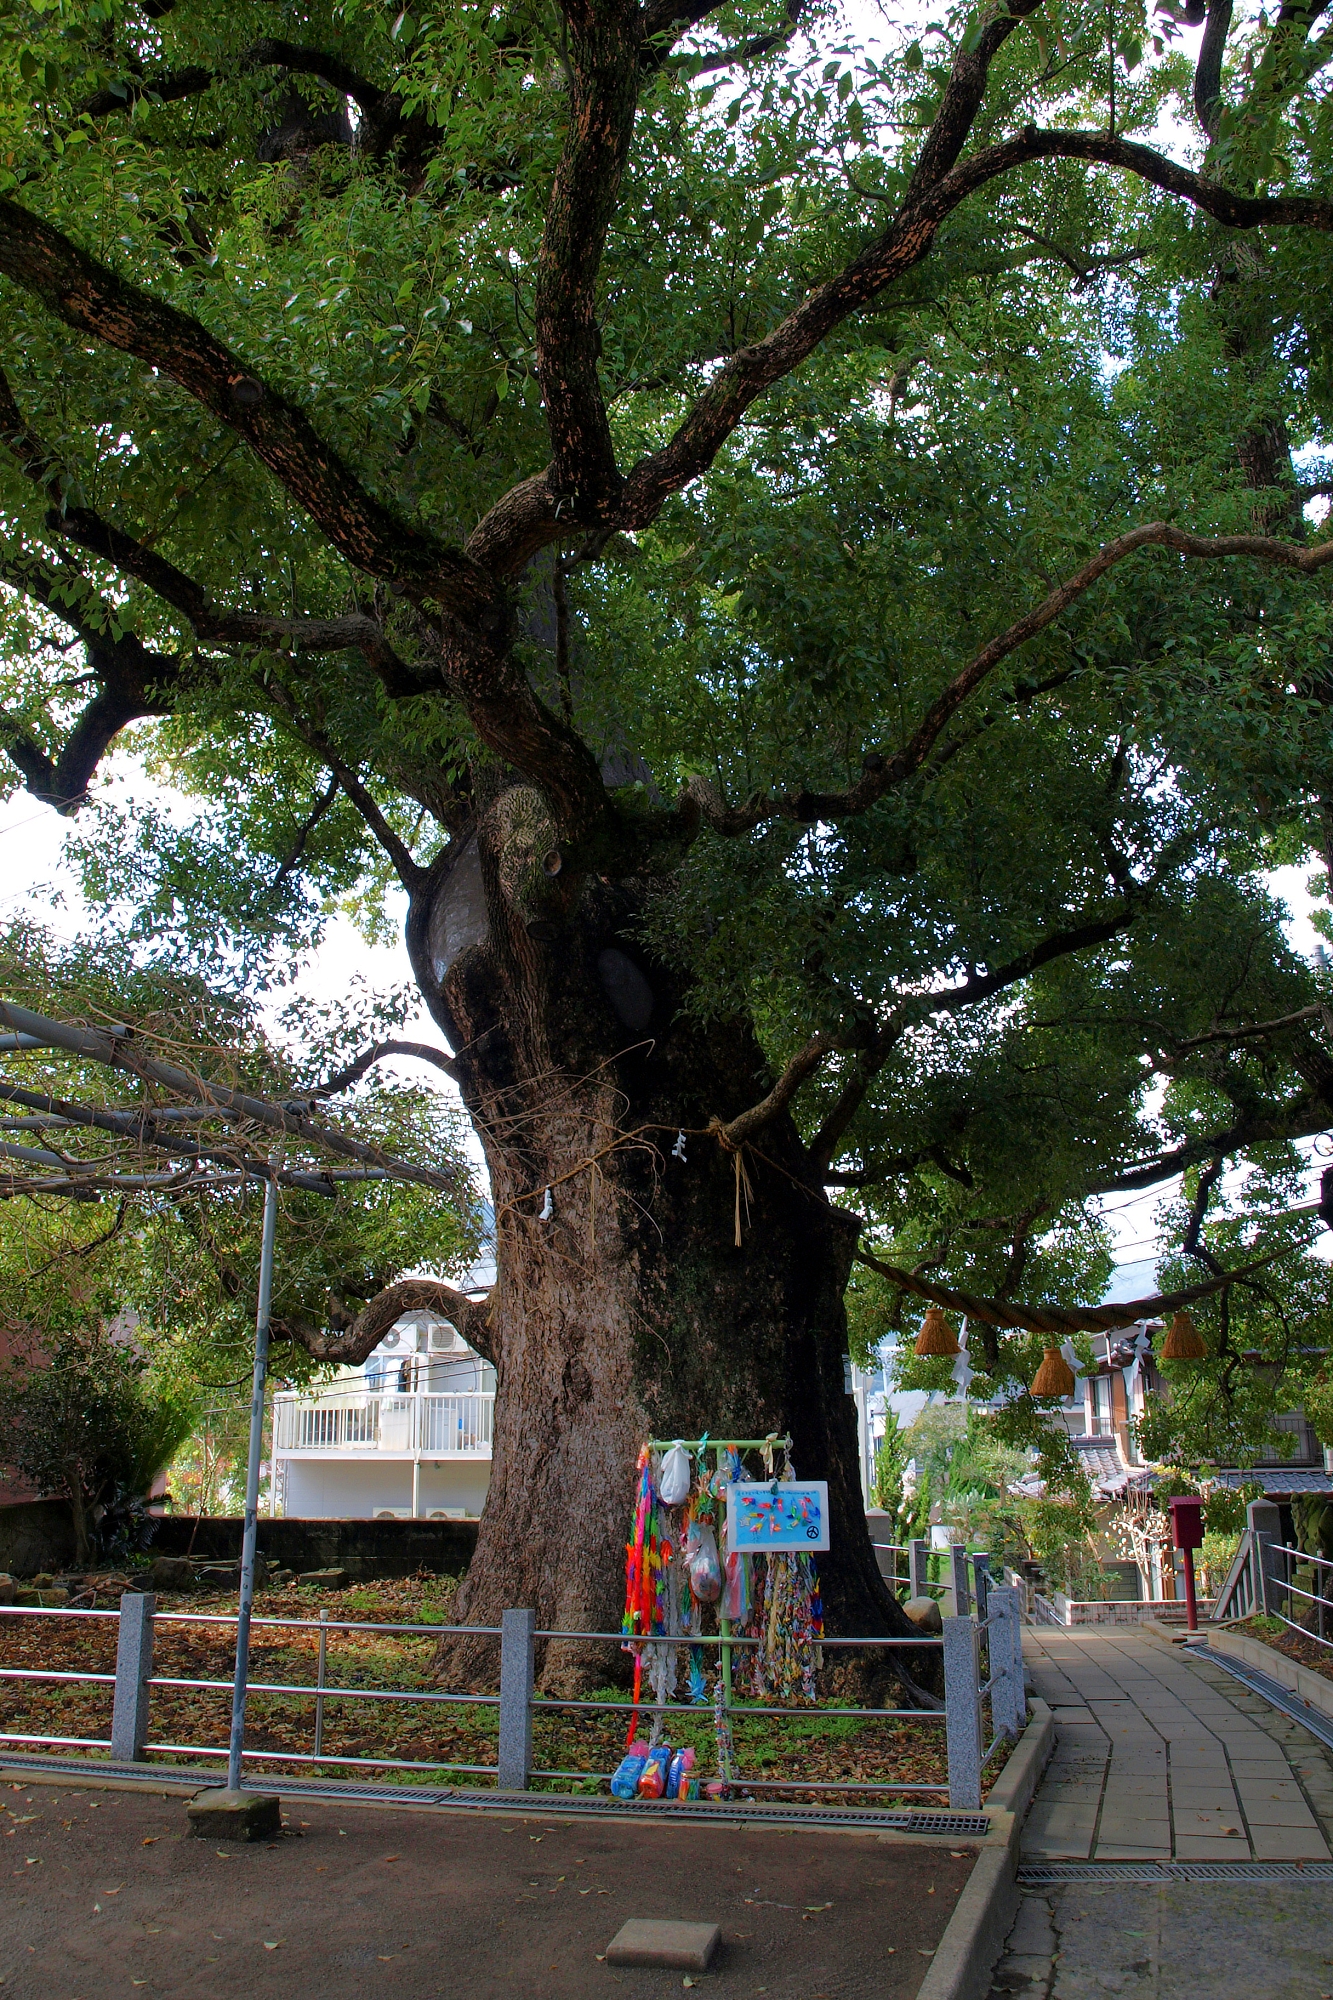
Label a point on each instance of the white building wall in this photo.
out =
(353, 1489)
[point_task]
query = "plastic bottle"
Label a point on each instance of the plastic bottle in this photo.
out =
(678, 1777)
(629, 1771)
(653, 1778)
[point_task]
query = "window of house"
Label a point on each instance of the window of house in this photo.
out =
(1100, 1406)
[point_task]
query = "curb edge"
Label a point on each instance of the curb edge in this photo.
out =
(974, 1936)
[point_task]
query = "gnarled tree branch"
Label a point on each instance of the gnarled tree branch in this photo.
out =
(953, 1000)
(700, 801)
(350, 1347)
(132, 682)
(604, 58)
(802, 1065)
(343, 1079)
(86, 295)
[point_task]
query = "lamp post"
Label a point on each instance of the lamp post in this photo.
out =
(234, 1812)
(250, 1534)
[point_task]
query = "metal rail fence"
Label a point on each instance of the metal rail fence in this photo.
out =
(987, 1643)
(1265, 1577)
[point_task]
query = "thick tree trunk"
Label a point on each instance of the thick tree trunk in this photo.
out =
(623, 1307)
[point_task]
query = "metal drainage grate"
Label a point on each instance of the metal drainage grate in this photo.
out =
(949, 1826)
(1273, 1692)
(1048, 1875)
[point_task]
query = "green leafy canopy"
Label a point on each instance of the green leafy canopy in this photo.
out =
(394, 310)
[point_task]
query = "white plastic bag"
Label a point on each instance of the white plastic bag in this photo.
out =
(673, 1481)
(702, 1562)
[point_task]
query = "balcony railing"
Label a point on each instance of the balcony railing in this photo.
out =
(413, 1425)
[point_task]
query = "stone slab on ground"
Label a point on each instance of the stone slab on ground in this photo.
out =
(219, 1814)
(414, 1904)
(664, 1941)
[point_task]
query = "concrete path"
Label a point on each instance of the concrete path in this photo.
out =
(1171, 1941)
(1160, 1755)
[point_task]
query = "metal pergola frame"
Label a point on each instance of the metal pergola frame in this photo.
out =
(202, 1168)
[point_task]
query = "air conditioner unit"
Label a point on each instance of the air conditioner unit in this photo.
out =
(448, 1514)
(393, 1513)
(443, 1337)
(391, 1338)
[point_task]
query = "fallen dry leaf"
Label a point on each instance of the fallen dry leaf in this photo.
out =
(150, 1840)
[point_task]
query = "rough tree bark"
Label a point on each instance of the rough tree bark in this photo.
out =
(627, 1311)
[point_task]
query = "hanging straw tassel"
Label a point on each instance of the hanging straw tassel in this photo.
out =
(1055, 1377)
(1183, 1341)
(742, 1189)
(936, 1335)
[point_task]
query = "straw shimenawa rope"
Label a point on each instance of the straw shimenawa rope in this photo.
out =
(1065, 1319)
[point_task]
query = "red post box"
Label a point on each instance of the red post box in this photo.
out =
(1187, 1534)
(1186, 1523)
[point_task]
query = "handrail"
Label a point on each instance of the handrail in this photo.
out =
(1303, 1556)
(327, 1691)
(970, 1688)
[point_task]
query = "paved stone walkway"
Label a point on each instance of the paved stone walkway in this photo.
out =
(1171, 1941)
(1160, 1755)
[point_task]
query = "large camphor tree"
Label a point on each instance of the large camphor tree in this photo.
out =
(786, 544)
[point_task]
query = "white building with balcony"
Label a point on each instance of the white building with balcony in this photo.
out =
(406, 1437)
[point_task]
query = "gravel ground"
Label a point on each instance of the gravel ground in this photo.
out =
(106, 1894)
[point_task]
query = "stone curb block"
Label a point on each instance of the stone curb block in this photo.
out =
(983, 1916)
(1311, 1687)
(1013, 1790)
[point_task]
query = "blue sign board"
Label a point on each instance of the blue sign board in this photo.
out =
(777, 1514)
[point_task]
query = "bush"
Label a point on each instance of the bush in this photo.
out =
(83, 1418)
